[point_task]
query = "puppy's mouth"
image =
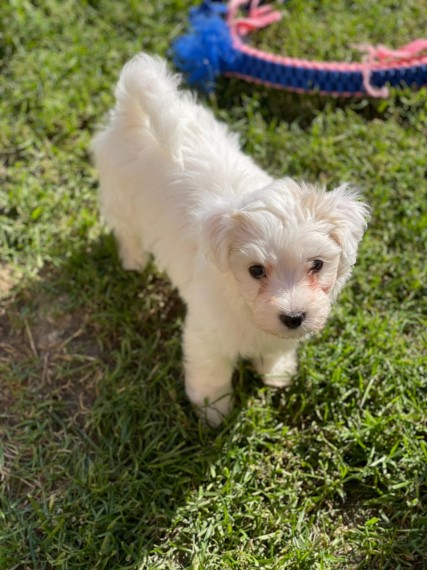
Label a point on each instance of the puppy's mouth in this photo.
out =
(288, 334)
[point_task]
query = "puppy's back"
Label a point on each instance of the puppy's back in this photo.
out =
(162, 158)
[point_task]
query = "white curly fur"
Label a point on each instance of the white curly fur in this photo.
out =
(175, 184)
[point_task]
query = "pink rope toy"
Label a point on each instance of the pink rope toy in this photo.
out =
(380, 55)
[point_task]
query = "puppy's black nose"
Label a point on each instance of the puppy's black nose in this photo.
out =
(292, 320)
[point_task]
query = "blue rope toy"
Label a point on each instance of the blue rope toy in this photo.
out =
(214, 46)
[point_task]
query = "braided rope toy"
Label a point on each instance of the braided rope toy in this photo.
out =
(215, 46)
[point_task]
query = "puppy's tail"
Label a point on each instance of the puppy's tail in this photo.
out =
(148, 92)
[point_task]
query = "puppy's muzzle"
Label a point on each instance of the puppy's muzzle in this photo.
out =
(292, 320)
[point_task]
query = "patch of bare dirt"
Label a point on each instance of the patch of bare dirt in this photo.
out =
(48, 351)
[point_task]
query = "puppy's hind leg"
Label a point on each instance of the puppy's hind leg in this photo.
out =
(277, 369)
(131, 253)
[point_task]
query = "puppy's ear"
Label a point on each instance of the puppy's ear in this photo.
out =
(347, 217)
(217, 229)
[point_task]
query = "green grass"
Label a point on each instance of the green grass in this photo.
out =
(102, 463)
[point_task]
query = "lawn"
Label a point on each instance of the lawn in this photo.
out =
(103, 464)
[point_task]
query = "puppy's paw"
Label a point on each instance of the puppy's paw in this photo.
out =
(214, 414)
(211, 407)
(278, 371)
(207, 378)
(277, 380)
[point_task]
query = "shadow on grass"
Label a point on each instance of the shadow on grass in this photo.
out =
(276, 105)
(101, 446)
(244, 101)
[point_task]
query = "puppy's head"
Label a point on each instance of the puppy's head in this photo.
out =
(290, 249)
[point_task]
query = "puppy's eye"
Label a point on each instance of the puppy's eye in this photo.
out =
(316, 266)
(257, 271)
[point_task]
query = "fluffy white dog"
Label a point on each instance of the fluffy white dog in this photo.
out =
(258, 261)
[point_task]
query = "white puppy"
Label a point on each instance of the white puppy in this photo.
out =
(258, 261)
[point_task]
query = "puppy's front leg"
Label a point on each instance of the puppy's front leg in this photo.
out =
(277, 368)
(207, 375)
